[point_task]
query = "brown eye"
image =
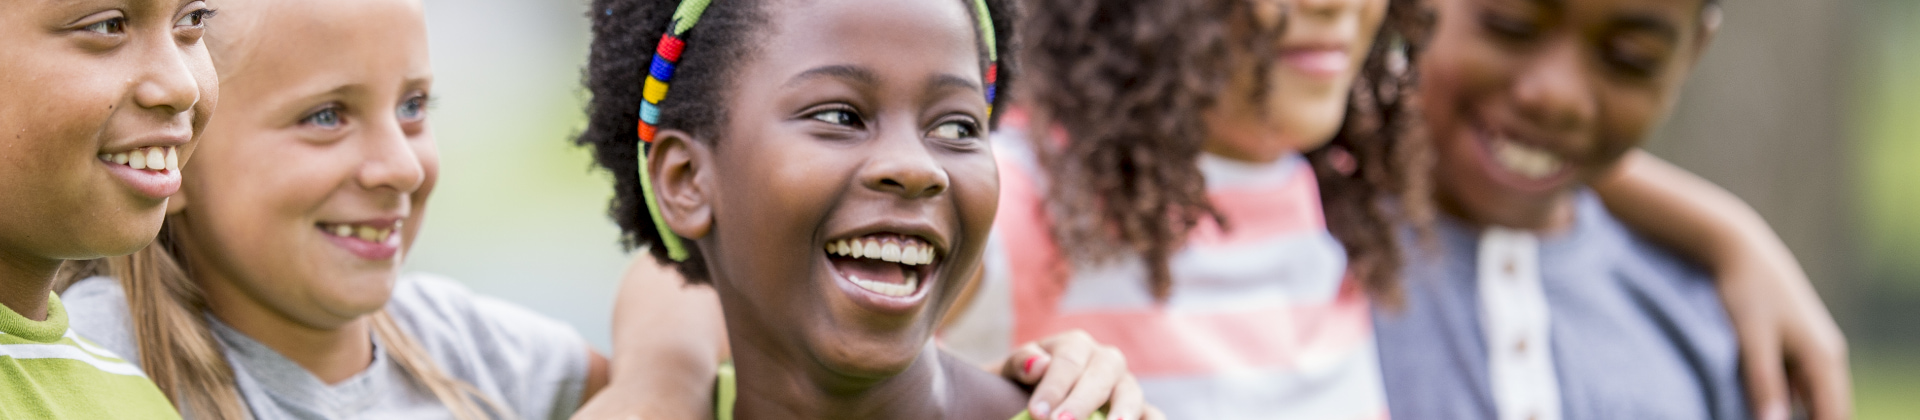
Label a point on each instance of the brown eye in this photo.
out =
(1636, 54)
(113, 26)
(837, 117)
(955, 130)
(1508, 26)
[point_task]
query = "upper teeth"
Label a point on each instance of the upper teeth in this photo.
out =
(905, 252)
(147, 158)
(1527, 161)
(364, 232)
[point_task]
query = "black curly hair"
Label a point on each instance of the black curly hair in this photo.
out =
(625, 33)
(1130, 82)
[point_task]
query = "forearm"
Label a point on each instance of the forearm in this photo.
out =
(668, 339)
(1691, 215)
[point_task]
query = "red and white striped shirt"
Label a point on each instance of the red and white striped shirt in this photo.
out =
(1262, 321)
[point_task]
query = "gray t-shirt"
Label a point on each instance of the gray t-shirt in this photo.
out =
(1635, 332)
(533, 365)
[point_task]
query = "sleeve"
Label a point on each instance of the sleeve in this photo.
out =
(97, 311)
(533, 364)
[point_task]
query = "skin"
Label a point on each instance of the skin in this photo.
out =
(1586, 81)
(327, 126)
(84, 78)
(1306, 99)
(1560, 89)
(832, 126)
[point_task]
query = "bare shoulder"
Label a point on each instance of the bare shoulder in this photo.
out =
(978, 394)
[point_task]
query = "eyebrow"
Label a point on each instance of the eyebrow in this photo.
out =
(855, 74)
(948, 81)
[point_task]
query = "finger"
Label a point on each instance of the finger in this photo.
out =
(1153, 413)
(1067, 363)
(1820, 374)
(1128, 402)
(1021, 365)
(1095, 386)
(1762, 366)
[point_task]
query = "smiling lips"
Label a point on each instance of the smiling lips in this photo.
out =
(887, 264)
(158, 158)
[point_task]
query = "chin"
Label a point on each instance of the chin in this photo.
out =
(870, 357)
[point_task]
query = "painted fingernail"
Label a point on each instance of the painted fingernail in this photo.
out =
(1040, 410)
(1064, 415)
(1027, 367)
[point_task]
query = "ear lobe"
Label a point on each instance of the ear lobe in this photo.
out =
(677, 163)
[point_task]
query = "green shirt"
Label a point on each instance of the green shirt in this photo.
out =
(725, 394)
(47, 372)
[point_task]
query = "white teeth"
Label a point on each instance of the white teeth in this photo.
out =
(908, 252)
(364, 233)
(889, 289)
(890, 252)
(156, 158)
(368, 234)
(147, 158)
(343, 231)
(1526, 161)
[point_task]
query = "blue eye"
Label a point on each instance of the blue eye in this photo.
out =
(414, 108)
(328, 117)
(837, 117)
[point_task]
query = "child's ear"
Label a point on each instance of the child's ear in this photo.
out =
(678, 165)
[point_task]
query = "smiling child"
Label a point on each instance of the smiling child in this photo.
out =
(824, 166)
(275, 288)
(100, 102)
(1538, 303)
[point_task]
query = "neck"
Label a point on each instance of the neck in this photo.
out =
(774, 384)
(25, 282)
(331, 353)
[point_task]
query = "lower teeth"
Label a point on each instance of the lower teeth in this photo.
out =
(889, 289)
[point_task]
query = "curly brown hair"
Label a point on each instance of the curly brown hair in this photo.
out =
(1130, 81)
(624, 35)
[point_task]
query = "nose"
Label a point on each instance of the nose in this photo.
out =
(168, 84)
(1322, 9)
(1555, 91)
(901, 165)
(390, 160)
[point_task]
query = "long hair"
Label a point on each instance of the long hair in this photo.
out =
(179, 353)
(1129, 82)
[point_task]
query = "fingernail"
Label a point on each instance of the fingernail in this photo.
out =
(1064, 415)
(1027, 367)
(1776, 412)
(1040, 410)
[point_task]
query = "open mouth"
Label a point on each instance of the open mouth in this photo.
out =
(885, 264)
(369, 240)
(1524, 164)
(152, 171)
(157, 159)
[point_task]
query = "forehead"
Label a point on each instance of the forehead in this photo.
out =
(879, 33)
(1681, 15)
(297, 45)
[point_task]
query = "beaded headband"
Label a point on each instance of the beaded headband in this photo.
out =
(660, 72)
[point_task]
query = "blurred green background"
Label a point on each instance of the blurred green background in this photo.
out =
(1809, 109)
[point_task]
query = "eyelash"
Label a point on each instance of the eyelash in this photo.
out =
(967, 127)
(199, 18)
(419, 103)
(332, 111)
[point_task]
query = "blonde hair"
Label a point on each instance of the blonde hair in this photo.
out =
(178, 350)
